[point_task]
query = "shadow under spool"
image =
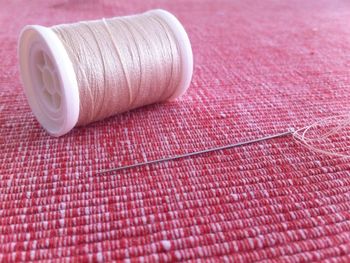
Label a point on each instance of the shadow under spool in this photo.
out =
(50, 82)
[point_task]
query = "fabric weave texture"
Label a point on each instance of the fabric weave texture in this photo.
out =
(260, 67)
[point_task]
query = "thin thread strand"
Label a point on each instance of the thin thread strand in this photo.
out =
(314, 143)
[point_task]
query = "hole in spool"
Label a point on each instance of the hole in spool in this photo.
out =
(56, 100)
(40, 59)
(47, 80)
(47, 97)
(48, 62)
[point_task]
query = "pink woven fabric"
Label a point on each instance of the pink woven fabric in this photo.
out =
(260, 68)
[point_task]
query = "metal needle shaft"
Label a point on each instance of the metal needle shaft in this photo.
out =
(186, 155)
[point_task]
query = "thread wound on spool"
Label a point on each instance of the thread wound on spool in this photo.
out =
(78, 73)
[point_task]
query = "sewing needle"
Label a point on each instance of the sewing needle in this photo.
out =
(186, 155)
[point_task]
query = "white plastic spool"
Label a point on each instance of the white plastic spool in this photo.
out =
(49, 80)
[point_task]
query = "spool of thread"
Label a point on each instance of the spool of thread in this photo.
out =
(74, 74)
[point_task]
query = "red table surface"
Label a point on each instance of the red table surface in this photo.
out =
(260, 67)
